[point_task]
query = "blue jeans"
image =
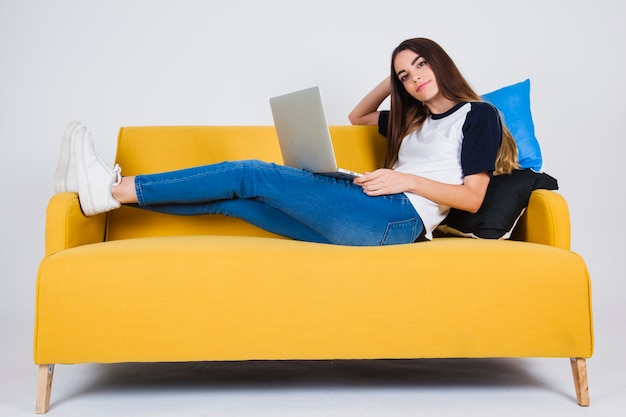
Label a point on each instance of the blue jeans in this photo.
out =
(283, 200)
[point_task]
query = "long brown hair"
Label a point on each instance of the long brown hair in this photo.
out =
(408, 114)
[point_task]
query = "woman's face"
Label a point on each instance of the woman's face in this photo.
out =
(416, 76)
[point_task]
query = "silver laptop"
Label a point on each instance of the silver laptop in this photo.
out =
(303, 133)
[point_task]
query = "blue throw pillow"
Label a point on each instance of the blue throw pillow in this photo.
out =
(513, 102)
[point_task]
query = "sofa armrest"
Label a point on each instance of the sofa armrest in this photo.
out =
(68, 227)
(545, 221)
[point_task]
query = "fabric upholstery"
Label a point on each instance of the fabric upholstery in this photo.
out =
(134, 286)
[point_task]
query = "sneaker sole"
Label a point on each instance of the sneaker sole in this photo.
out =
(63, 166)
(84, 192)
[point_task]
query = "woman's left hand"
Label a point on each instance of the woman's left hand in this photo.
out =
(384, 182)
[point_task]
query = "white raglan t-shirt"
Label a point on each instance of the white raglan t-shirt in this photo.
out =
(462, 141)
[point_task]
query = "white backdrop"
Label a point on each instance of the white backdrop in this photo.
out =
(159, 62)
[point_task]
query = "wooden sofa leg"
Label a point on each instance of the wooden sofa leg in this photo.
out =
(44, 387)
(579, 370)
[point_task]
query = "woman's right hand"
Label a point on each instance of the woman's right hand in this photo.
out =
(366, 112)
(385, 182)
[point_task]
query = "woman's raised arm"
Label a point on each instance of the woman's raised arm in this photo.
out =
(366, 112)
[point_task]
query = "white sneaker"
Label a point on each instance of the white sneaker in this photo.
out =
(95, 177)
(65, 173)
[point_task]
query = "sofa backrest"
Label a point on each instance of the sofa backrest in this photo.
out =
(145, 150)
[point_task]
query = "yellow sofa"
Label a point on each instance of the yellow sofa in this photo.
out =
(138, 286)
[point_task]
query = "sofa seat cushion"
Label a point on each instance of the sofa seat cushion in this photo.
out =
(192, 298)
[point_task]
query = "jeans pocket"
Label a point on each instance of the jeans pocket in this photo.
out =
(401, 232)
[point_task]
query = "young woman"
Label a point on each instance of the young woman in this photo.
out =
(443, 146)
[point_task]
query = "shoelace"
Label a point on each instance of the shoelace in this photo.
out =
(117, 171)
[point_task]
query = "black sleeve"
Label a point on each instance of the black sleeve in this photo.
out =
(383, 122)
(482, 135)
